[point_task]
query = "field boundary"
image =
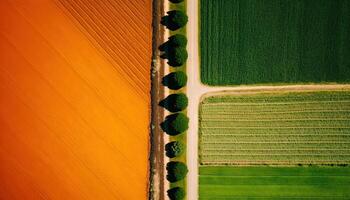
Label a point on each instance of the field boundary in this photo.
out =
(156, 157)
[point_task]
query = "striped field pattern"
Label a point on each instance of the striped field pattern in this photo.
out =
(271, 183)
(274, 41)
(118, 29)
(276, 128)
(75, 99)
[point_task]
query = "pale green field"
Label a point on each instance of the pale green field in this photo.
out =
(276, 128)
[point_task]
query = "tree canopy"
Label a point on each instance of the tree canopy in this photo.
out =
(176, 171)
(177, 56)
(176, 193)
(174, 20)
(176, 1)
(177, 40)
(175, 102)
(174, 149)
(175, 124)
(175, 80)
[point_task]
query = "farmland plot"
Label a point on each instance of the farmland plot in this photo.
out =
(270, 128)
(75, 99)
(274, 41)
(274, 183)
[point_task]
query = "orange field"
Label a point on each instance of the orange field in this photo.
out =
(74, 99)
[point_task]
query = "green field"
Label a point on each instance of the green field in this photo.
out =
(274, 183)
(274, 41)
(275, 128)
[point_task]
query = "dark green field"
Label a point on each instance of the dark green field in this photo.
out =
(274, 183)
(274, 41)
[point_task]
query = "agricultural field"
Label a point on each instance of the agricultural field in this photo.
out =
(274, 41)
(274, 183)
(74, 99)
(296, 128)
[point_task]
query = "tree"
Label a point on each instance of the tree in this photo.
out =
(175, 50)
(176, 193)
(174, 41)
(175, 102)
(174, 149)
(175, 124)
(174, 20)
(175, 80)
(176, 171)
(177, 56)
(178, 40)
(176, 1)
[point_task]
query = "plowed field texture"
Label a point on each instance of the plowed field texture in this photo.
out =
(272, 183)
(274, 41)
(275, 128)
(74, 99)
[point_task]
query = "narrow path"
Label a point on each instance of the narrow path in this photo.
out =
(196, 90)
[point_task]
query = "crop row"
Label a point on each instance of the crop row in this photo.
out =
(274, 130)
(335, 105)
(271, 145)
(275, 109)
(276, 138)
(280, 97)
(275, 115)
(315, 151)
(305, 158)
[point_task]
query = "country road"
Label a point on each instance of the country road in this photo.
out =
(194, 92)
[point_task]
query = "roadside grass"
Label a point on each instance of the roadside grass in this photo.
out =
(276, 41)
(297, 128)
(224, 182)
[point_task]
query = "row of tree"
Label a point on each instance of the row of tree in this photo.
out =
(174, 50)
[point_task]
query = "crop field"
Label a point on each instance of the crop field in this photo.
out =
(270, 183)
(274, 41)
(275, 128)
(74, 99)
